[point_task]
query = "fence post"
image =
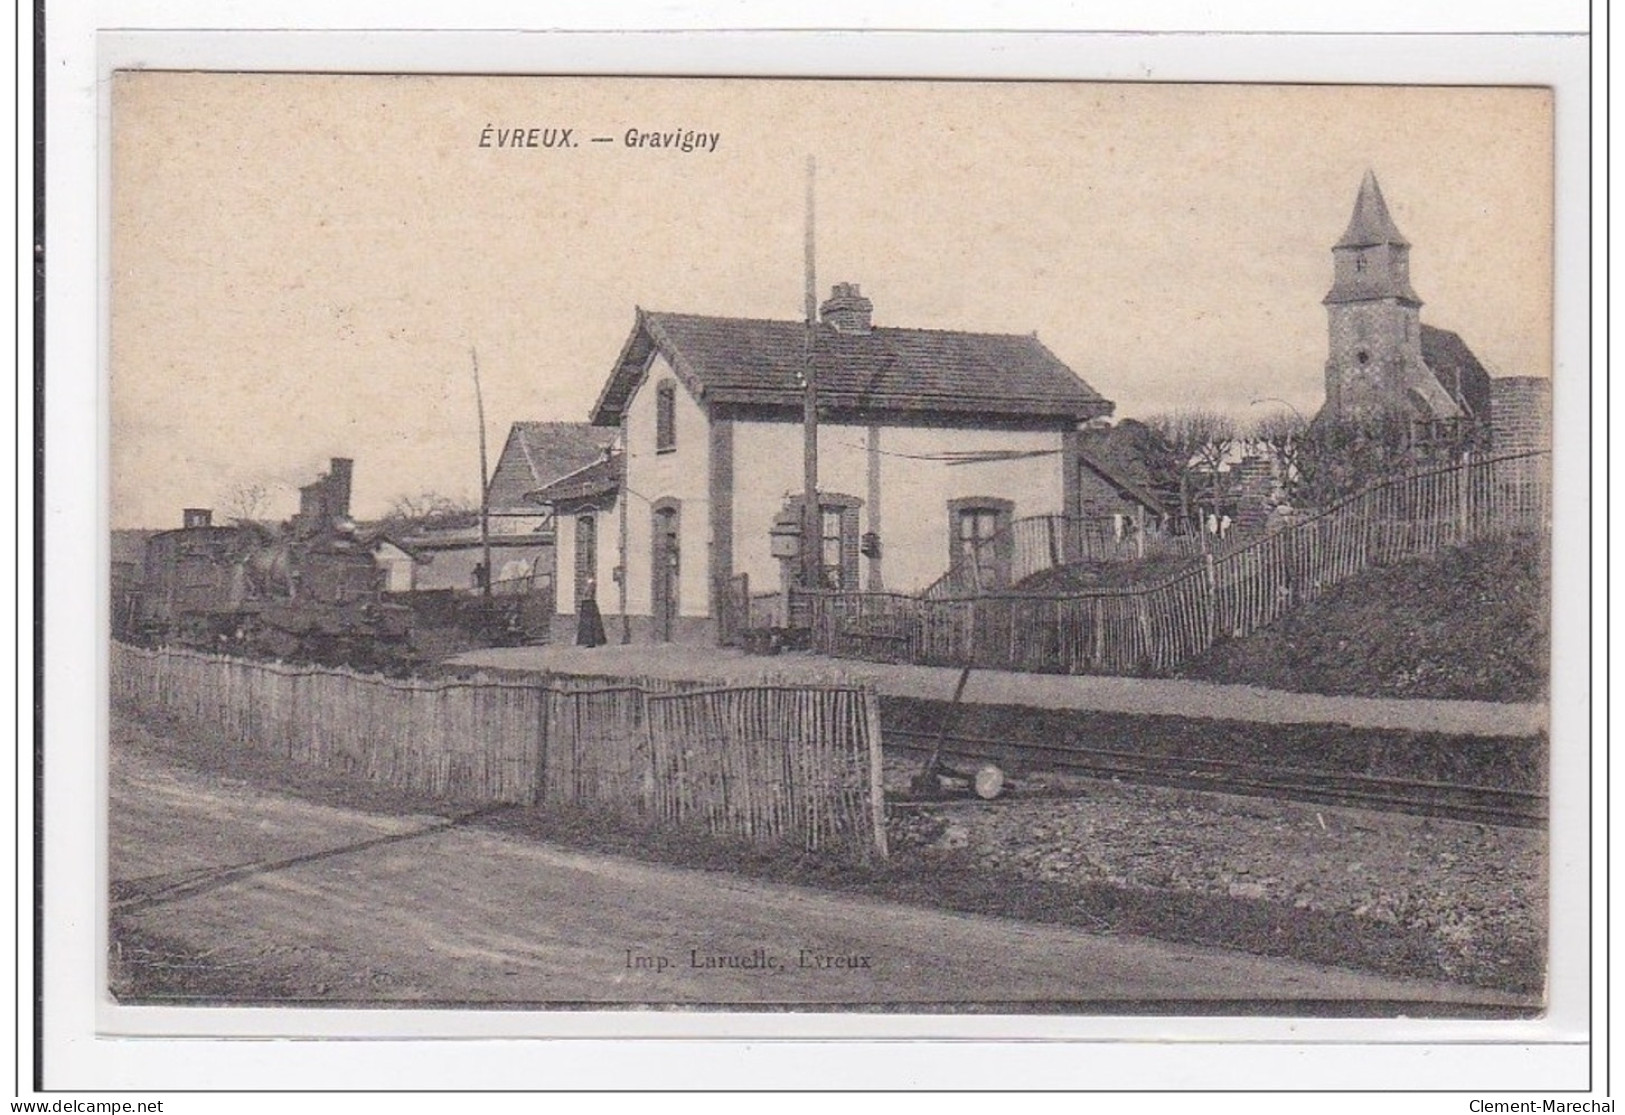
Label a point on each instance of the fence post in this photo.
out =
(1212, 579)
(544, 729)
(1097, 612)
(1143, 621)
(877, 792)
(649, 780)
(1464, 496)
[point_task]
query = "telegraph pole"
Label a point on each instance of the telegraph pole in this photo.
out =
(811, 520)
(485, 494)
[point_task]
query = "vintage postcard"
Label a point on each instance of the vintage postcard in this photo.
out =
(797, 545)
(841, 549)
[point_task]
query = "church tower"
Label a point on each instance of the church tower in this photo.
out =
(1375, 367)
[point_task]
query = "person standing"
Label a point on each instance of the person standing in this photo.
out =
(589, 622)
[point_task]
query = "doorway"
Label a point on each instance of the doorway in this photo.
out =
(667, 566)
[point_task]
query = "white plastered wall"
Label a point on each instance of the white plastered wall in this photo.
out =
(914, 488)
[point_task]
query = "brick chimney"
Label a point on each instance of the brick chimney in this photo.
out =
(193, 517)
(847, 310)
(338, 487)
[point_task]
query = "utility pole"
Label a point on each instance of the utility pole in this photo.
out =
(485, 496)
(811, 519)
(622, 498)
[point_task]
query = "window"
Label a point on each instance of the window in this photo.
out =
(830, 549)
(666, 417)
(980, 540)
(586, 563)
(978, 526)
(837, 541)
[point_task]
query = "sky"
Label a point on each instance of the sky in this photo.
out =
(302, 264)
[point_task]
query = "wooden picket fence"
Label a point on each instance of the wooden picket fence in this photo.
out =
(1153, 628)
(765, 761)
(769, 762)
(1038, 543)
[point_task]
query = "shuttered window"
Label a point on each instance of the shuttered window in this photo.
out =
(838, 554)
(837, 539)
(586, 556)
(666, 417)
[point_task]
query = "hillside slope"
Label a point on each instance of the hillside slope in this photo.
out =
(1470, 623)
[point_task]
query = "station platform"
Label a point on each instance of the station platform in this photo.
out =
(1142, 696)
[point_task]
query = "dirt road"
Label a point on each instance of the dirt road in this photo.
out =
(277, 898)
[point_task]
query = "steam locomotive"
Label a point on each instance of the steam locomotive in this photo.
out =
(308, 590)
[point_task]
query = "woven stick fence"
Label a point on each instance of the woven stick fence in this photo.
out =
(1154, 628)
(769, 762)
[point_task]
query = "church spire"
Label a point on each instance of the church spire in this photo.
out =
(1371, 225)
(1372, 260)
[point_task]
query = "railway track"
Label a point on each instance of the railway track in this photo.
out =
(1483, 804)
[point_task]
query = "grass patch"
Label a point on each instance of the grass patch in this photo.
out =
(1469, 623)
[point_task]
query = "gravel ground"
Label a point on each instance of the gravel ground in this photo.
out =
(1475, 894)
(1141, 696)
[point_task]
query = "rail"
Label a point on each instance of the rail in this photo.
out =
(1483, 804)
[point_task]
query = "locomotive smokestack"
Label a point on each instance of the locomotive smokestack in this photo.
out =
(338, 487)
(197, 517)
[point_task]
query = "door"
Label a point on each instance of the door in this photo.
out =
(666, 565)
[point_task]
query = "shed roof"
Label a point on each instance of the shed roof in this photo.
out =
(538, 453)
(1129, 486)
(601, 478)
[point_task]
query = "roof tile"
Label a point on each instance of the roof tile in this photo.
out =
(748, 360)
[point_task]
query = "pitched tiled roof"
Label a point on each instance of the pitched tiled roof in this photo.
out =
(601, 478)
(922, 371)
(374, 541)
(1457, 369)
(538, 453)
(1111, 454)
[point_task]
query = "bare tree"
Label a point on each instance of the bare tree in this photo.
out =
(245, 502)
(1192, 445)
(1285, 435)
(430, 511)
